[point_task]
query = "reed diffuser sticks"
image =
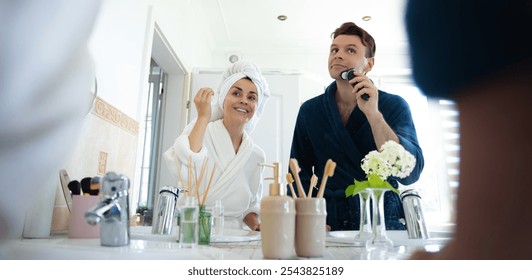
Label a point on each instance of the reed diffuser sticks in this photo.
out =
(195, 180)
(208, 185)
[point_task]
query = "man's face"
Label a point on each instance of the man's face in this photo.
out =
(346, 52)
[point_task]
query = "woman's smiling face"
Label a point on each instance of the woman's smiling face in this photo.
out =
(241, 100)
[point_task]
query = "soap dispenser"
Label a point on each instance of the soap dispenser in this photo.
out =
(278, 220)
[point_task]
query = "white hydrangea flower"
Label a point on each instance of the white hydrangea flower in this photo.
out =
(392, 160)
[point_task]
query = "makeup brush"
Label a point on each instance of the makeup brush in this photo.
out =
(349, 75)
(290, 180)
(95, 186)
(74, 187)
(294, 167)
(327, 172)
(86, 185)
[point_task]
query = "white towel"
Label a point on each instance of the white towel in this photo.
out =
(235, 72)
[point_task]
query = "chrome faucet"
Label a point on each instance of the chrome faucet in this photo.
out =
(112, 213)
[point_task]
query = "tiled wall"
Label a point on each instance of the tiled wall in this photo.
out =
(108, 142)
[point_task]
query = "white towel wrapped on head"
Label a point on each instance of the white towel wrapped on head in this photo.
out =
(235, 72)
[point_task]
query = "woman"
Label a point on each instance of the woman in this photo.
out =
(220, 134)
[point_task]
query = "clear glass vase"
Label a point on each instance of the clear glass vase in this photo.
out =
(379, 240)
(364, 230)
(188, 223)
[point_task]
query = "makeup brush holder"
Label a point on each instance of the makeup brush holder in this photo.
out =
(311, 216)
(78, 227)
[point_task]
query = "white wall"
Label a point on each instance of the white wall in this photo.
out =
(315, 63)
(121, 46)
(117, 45)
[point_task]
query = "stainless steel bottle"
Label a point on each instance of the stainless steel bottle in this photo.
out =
(415, 221)
(165, 211)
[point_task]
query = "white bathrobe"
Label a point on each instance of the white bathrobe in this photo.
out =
(237, 181)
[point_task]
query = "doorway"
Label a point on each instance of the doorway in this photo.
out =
(162, 118)
(151, 129)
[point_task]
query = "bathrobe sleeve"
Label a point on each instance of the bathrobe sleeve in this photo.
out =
(255, 177)
(180, 153)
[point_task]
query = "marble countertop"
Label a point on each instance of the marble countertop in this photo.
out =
(338, 247)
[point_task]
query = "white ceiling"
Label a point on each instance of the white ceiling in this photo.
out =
(251, 27)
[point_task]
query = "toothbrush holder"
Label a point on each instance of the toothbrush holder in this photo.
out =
(311, 215)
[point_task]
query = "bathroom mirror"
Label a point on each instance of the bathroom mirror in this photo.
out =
(301, 42)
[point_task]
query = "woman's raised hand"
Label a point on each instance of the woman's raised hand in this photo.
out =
(202, 100)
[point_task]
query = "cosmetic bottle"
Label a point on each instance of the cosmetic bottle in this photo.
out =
(217, 219)
(278, 220)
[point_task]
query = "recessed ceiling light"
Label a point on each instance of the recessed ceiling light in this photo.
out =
(282, 17)
(366, 18)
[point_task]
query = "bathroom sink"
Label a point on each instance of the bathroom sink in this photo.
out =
(399, 238)
(144, 233)
(236, 235)
(63, 248)
(230, 235)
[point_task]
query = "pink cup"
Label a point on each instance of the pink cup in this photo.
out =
(79, 228)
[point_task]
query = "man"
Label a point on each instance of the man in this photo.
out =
(481, 58)
(342, 125)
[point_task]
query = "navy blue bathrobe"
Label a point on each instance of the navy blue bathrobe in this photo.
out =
(320, 135)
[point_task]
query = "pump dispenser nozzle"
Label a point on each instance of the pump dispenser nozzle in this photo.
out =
(275, 187)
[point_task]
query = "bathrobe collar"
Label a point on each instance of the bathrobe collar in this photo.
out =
(229, 162)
